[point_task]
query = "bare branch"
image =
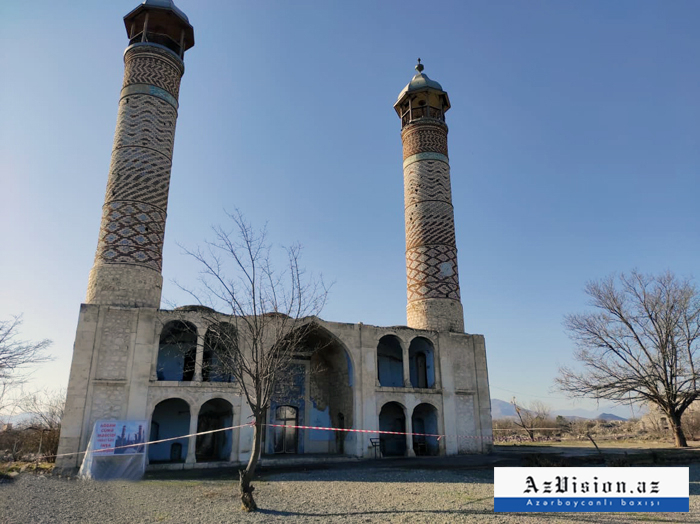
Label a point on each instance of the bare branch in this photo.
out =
(259, 316)
(639, 344)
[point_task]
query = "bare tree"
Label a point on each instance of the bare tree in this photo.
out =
(16, 355)
(259, 318)
(46, 409)
(534, 416)
(639, 344)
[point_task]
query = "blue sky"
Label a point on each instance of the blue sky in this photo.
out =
(574, 148)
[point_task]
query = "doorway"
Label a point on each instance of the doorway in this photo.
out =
(285, 438)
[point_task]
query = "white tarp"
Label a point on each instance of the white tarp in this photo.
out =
(117, 450)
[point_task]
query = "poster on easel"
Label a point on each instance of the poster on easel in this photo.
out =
(117, 450)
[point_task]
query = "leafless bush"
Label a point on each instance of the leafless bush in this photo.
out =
(36, 437)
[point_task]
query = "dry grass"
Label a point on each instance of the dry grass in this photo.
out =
(20, 467)
(602, 444)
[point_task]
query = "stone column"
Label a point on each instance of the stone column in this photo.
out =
(199, 358)
(192, 441)
(409, 437)
(406, 367)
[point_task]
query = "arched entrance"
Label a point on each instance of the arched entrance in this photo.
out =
(424, 420)
(319, 386)
(171, 418)
(216, 413)
(392, 418)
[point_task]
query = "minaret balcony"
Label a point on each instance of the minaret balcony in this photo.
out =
(416, 113)
(160, 39)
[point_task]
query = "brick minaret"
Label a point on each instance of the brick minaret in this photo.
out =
(127, 268)
(431, 254)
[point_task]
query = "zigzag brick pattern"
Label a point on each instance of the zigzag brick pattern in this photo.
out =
(152, 66)
(430, 222)
(425, 137)
(139, 174)
(146, 121)
(432, 279)
(134, 213)
(431, 272)
(427, 180)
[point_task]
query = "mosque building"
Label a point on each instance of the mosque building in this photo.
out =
(135, 361)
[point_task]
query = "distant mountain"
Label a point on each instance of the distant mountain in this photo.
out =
(616, 411)
(501, 409)
(609, 416)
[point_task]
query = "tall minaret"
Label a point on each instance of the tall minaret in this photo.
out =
(431, 254)
(127, 268)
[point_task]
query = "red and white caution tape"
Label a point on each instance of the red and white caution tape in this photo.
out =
(103, 450)
(251, 424)
(375, 431)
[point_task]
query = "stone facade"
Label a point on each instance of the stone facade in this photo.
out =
(114, 376)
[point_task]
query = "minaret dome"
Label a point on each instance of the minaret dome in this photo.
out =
(422, 97)
(160, 22)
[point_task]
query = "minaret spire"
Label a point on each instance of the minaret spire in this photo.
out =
(128, 261)
(431, 253)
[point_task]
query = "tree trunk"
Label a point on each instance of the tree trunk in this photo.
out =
(678, 435)
(247, 501)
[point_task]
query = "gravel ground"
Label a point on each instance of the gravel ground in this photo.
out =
(334, 495)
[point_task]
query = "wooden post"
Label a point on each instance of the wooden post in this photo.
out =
(145, 28)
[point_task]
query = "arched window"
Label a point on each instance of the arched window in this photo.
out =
(424, 420)
(177, 351)
(220, 346)
(171, 418)
(392, 418)
(216, 413)
(421, 359)
(390, 362)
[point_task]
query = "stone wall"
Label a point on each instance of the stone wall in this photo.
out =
(116, 352)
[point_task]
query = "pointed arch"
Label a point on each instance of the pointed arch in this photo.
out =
(170, 418)
(324, 395)
(390, 362)
(216, 413)
(425, 420)
(219, 341)
(392, 417)
(421, 360)
(177, 350)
